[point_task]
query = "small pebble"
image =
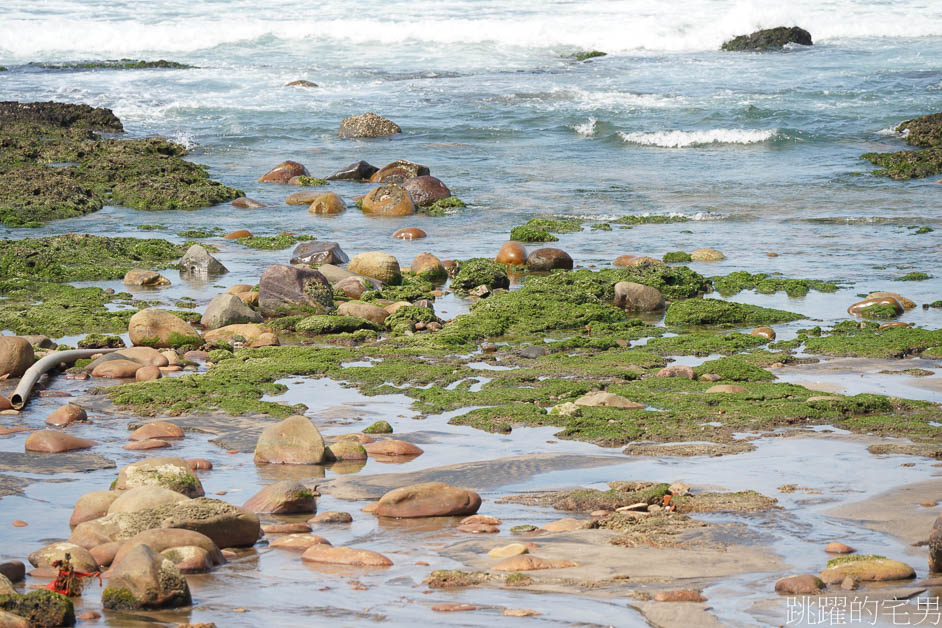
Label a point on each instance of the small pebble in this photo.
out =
(19, 524)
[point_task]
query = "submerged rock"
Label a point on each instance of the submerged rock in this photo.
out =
(388, 200)
(145, 278)
(367, 125)
(769, 39)
(145, 579)
(410, 233)
(321, 553)
(512, 254)
(243, 202)
(54, 442)
(283, 172)
(924, 131)
(425, 189)
(399, 172)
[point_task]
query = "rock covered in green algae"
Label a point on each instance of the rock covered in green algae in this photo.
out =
(480, 271)
(55, 166)
(870, 342)
(907, 164)
(768, 39)
(379, 427)
(117, 64)
(83, 257)
(165, 472)
(717, 312)
(144, 579)
(41, 608)
(734, 369)
(523, 233)
(763, 283)
(405, 318)
(867, 568)
(330, 324)
(924, 131)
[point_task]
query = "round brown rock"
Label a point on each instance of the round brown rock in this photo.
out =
(16, 355)
(332, 516)
(907, 304)
(116, 369)
(635, 297)
(835, 547)
(329, 204)
(167, 472)
(763, 332)
(426, 189)
(377, 265)
(157, 328)
(238, 234)
(547, 259)
(352, 287)
(91, 506)
(679, 595)
(157, 429)
(298, 542)
(293, 441)
(66, 414)
(432, 499)
(858, 307)
(145, 278)
(53, 442)
(388, 200)
(429, 267)
(623, 260)
(143, 498)
(244, 202)
(410, 233)
(398, 172)
(512, 254)
(284, 290)
(303, 197)
(368, 311)
(81, 558)
(282, 498)
(706, 255)
(147, 373)
(283, 172)
(146, 445)
(868, 570)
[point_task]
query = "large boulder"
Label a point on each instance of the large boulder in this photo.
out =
(143, 498)
(293, 441)
(283, 172)
(357, 171)
(429, 267)
(547, 259)
(55, 442)
(284, 290)
(197, 263)
(91, 506)
(145, 579)
(162, 539)
(512, 254)
(166, 472)
(317, 252)
(635, 297)
(399, 172)
(16, 355)
(228, 309)
(225, 524)
(80, 557)
(368, 311)
(282, 498)
(432, 499)
(769, 39)
(865, 568)
(378, 265)
(388, 200)
(425, 190)
(367, 125)
(329, 204)
(157, 328)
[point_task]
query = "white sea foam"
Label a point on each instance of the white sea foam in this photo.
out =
(687, 139)
(179, 26)
(587, 128)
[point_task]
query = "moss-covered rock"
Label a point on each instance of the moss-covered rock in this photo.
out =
(55, 310)
(523, 233)
(717, 312)
(704, 343)
(117, 64)
(768, 39)
(907, 164)
(736, 282)
(274, 243)
(675, 257)
(327, 324)
(405, 318)
(584, 55)
(870, 342)
(441, 206)
(41, 608)
(734, 369)
(480, 271)
(555, 225)
(924, 131)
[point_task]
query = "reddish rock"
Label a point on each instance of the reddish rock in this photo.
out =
(286, 528)
(677, 370)
(16, 355)
(432, 499)
(283, 172)
(483, 519)
(858, 307)
(199, 464)
(293, 441)
(804, 584)
(116, 369)
(399, 172)
(329, 204)
(410, 233)
(679, 595)
(835, 547)
(145, 445)
(53, 442)
(392, 448)
(104, 554)
(157, 429)
(332, 516)
(285, 497)
(148, 373)
(285, 289)
(247, 203)
(512, 254)
(19, 523)
(388, 200)
(66, 414)
(623, 260)
(763, 332)
(426, 189)
(547, 259)
(478, 528)
(238, 234)
(298, 542)
(92, 505)
(344, 556)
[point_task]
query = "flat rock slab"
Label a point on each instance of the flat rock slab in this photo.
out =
(674, 615)
(12, 485)
(49, 464)
(477, 476)
(896, 512)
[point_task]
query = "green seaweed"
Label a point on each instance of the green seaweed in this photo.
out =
(555, 225)
(736, 282)
(734, 369)
(914, 276)
(704, 343)
(274, 243)
(56, 310)
(479, 271)
(117, 64)
(306, 181)
(328, 324)
(907, 164)
(675, 257)
(440, 207)
(41, 608)
(717, 312)
(523, 233)
(650, 220)
(587, 54)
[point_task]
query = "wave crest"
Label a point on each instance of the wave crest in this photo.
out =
(690, 139)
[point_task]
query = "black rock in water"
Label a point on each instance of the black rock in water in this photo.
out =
(358, 171)
(769, 39)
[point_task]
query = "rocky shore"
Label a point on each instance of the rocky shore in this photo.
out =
(602, 356)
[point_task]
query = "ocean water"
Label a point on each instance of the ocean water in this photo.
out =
(761, 149)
